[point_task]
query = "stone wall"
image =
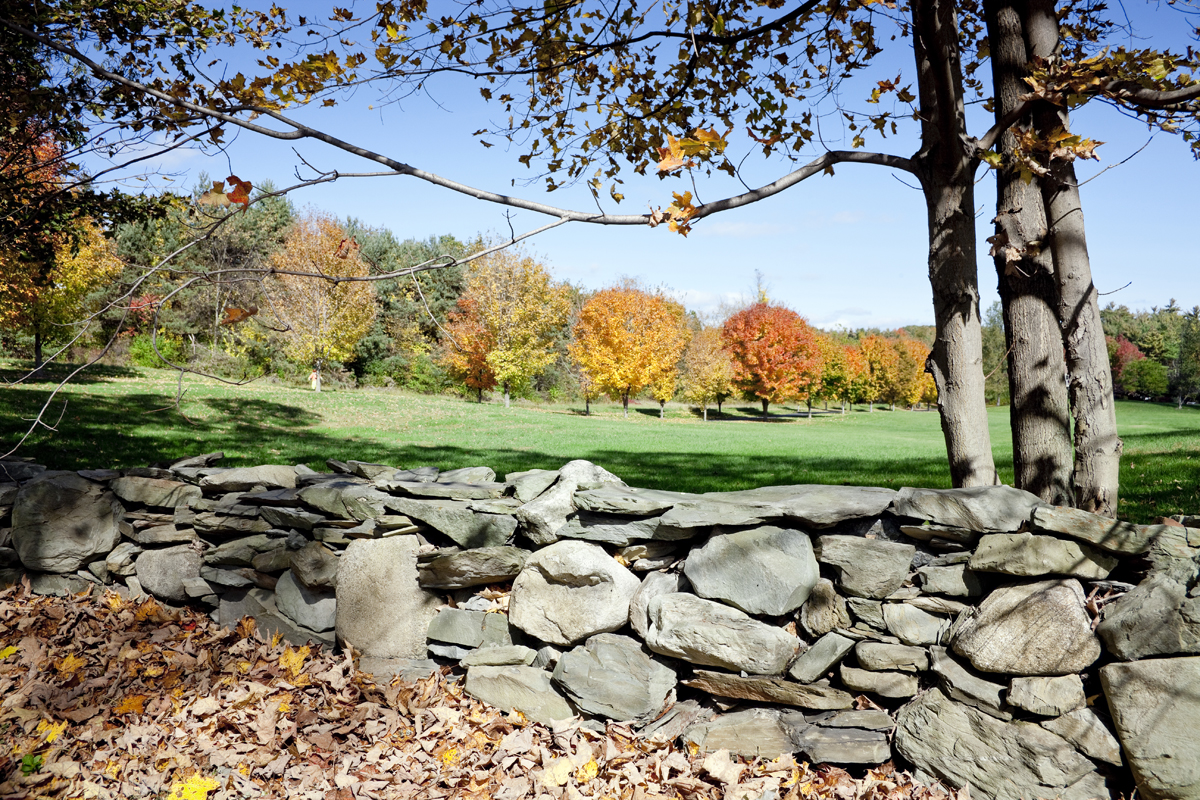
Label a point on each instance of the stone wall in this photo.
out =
(977, 635)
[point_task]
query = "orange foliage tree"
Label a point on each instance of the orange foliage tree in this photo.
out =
(628, 339)
(913, 384)
(774, 353)
(465, 356)
(883, 366)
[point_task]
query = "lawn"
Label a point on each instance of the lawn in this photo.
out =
(127, 417)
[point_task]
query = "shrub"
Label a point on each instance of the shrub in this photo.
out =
(170, 346)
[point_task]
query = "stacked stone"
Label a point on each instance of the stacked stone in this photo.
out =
(978, 634)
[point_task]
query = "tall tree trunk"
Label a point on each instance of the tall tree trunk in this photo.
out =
(765, 404)
(662, 409)
(587, 405)
(506, 402)
(706, 412)
(809, 409)
(947, 176)
(1028, 290)
(625, 402)
(37, 347)
(479, 394)
(1097, 447)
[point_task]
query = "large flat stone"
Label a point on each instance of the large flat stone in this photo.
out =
(1103, 532)
(439, 490)
(755, 732)
(620, 499)
(1155, 706)
(1029, 555)
(613, 677)
(764, 570)
(242, 479)
(526, 689)
(381, 610)
(817, 660)
(716, 635)
(475, 567)
(619, 531)
(155, 491)
(884, 684)
(985, 509)
(822, 745)
(870, 568)
(457, 521)
(770, 690)
(61, 521)
(883, 656)
(954, 580)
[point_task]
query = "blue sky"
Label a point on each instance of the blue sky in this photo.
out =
(848, 250)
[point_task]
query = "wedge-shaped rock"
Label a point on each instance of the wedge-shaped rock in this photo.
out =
(241, 552)
(870, 568)
(716, 635)
(542, 517)
(569, 591)
(529, 484)
(764, 570)
(315, 609)
(824, 610)
(1029, 555)
(476, 567)
(1000, 760)
(820, 658)
(984, 509)
(1084, 729)
(315, 566)
(457, 521)
(1106, 533)
(526, 689)
(953, 579)
(1155, 707)
(467, 475)
(61, 521)
(765, 732)
(1029, 629)
(614, 499)
(653, 585)
(346, 498)
(913, 626)
(770, 690)
(503, 656)
(612, 676)
(962, 685)
(1047, 697)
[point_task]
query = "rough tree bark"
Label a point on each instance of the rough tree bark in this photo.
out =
(1028, 290)
(946, 168)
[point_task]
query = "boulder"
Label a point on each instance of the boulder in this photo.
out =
(1106, 533)
(824, 610)
(476, 567)
(163, 573)
(457, 521)
(526, 689)
(817, 660)
(569, 591)
(755, 732)
(1047, 697)
(769, 690)
(913, 626)
(1030, 555)
(870, 568)
(653, 585)
(381, 610)
(243, 479)
(716, 635)
(978, 508)
(314, 609)
(1029, 629)
(315, 566)
(155, 492)
(61, 521)
(612, 676)
(763, 570)
(999, 760)
(1155, 707)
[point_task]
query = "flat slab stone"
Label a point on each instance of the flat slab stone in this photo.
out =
(871, 568)
(619, 531)
(770, 690)
(526, 689)
(442, 490)
(985, 509)
(716, 635)
(503, 656)
(961, 684)
(467, 475)
(822, 745)
(1000, 760)
(470, 628)
(884, 684)
(475, 567)
(529, 484)
(1155, 707)
(825, 653)
(755, 732)
(242, 479)
(1047, 697)
(465, 527)
(1030, 555)
(813, 505)
(617, 499)
(912, 626)
(883, 656)
(1029, 629)
(1103, 532)
(954, 580)
(346, 498)
(765, 570)
(155, 492)
(1084, 729)
(613, 677)
(869, 720)
(241, 552)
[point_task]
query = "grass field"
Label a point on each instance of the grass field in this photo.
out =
(127, 417)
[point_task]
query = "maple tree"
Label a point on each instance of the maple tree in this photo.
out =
(843, 371)
(912, 383)
(628, 339)
(707, 369)
(465, 354)
(316, 295)
(882, 369)
(773, 350)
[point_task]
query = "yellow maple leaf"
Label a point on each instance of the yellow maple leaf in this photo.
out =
(587, 772)
(293, 661)
(194, 788)
(131, 704)
(69, 665)
(49, 730)
(8, 651)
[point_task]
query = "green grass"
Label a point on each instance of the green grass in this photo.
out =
(126, 417)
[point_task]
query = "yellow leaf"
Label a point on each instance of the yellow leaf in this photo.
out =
(132, 704)
(8, 651)
(558, 773)
(49, 730)
(293, 661)
(587, 772)
(194, 788)
(69, 665)
(450, 757)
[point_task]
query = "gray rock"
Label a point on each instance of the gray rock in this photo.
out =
(620, 531)
(1161, 616)
(61, 522)
(542, 517)
(1029, 629)
(821, 745)
(439, 490)
(347, 498)
(19, 471)
(381, 610)
(755, 732)
(764, 570)
(547, 657)
(569, 591)
(620, 499)
(51, 585)
(475, 567)
(315, 566)
(870, 568)
(420, 474)
(457, 521)
(260, 604)
(712, 634)
(526, 689)
(979, 508)
(241, 552)
(769, 690)
(869, 611)
(648, 552)
(451, 652)
(315, 609)
(882, 656)
(276, 560)
(612, 676)
(653, 585)
(817, 660)
(162, 534)
(121, 561)
(298, 518)
(1084, 729)
(470, 628)
(406, 669)
(1103, 532)
(365, 469)
(815, 505)
(930, 532)
(242, 479)
(226, 577)
(1000, 760)
(824, 610)
(529, 484)
(217, 525)
(869, 720)
(162, 573)
(938, 605)
(1047, 697)
(962, 685)
(1155, 706)
(467, 475)
(954, 580)
(708, 513)
(1029, 555)
(913, 626)
(155, 492)
(884, 684)
(503, 656)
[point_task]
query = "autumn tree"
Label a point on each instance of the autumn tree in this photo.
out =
(628, 339)
(510, 314)
(468, 343)
(912, 383)
(843, 371)
(773, 350)
(882, 369)
(707, 369)
(316, 296)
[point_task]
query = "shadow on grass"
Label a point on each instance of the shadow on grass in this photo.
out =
(54, 373)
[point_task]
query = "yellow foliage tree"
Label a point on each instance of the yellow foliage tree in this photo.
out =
(322, 315)
(510, 314)
(628, 339)
(707, 370)
(883, 368)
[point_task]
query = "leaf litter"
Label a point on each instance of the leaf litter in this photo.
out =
(106, 698)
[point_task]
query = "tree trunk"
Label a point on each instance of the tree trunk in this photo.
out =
(947, 177)
(1096, 477)
(479, 394)
(809, 409)
(37, 347)
(1028, 291)
(719, 401)
(506, 402)
(662, 409)
(706, 412)
(765, 403)
(587, 405)
(625, 402)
